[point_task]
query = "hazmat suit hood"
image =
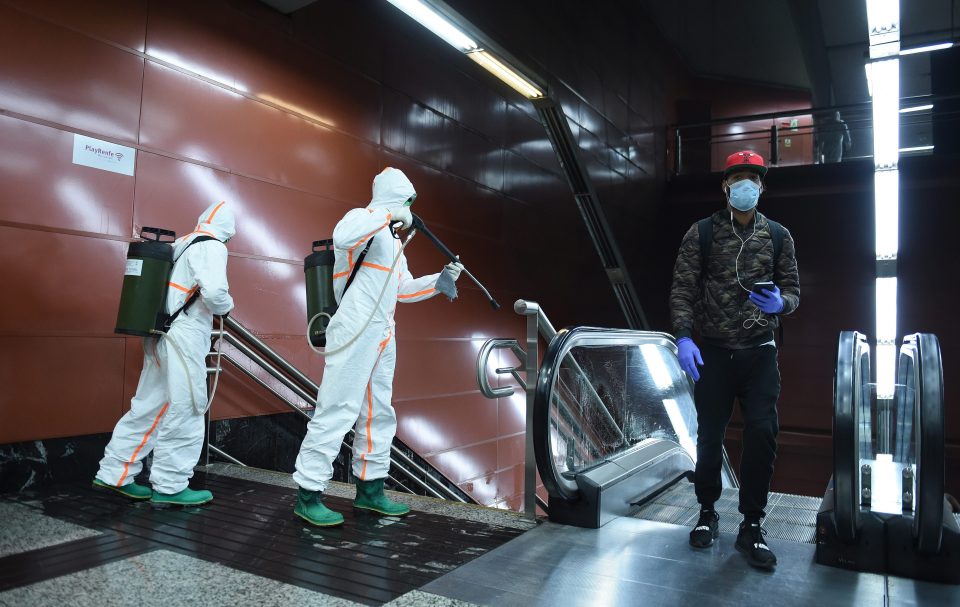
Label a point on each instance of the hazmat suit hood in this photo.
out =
(217, 220)
(391, 188)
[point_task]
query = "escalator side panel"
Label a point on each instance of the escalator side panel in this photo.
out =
(867, 550)
(616, 488)
(905, 560)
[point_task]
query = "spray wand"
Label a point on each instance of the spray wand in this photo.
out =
(419, 226)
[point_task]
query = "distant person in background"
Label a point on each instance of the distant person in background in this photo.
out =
(833, 139)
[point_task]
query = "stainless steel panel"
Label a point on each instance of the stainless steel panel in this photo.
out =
(630, 562)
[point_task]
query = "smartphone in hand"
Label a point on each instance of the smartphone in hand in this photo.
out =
(758, 287)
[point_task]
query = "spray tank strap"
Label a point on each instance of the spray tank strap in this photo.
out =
(193, 242)
(166, 320)
(357, 266)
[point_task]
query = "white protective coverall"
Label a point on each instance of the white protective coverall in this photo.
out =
(358, 382)
(166, 414)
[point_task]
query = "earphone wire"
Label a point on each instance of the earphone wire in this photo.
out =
(756, 318)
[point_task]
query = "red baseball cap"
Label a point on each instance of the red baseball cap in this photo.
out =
(745, 161)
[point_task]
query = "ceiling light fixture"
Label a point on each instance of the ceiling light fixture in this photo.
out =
(926, 49)
(456, 31)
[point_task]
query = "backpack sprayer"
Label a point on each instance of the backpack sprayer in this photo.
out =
(143, 297)
(321, 302)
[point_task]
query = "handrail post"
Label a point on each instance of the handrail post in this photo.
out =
(531, 310)
(677, 156)
(774, 143)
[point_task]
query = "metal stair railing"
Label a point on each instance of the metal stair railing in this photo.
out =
(302, 388)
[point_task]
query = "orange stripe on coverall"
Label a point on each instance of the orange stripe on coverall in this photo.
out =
(417, 294)
(133, 458)
(214, 212)
(363, 456)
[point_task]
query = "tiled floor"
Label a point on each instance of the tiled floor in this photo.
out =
(26, 528)
(165, 578)
(248, 533)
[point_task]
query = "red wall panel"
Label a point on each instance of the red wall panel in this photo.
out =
(55, 386)
(229, 45)
(206, 122)
(59, 285)
(43, 187)
(121, 21)
(55, 74)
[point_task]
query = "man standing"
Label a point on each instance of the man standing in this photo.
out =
(833, 139)
(721, 259)
(358, 376)
(166, 413)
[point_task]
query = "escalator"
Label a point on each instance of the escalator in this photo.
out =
(615, 433)
(885, 510)
(614, 423)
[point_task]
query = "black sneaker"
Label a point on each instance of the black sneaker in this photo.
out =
(707, 529)
(751, 543)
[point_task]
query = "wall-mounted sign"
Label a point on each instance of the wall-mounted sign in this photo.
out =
(103, 155)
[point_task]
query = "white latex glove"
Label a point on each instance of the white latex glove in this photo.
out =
(453, 270)
(403, 215)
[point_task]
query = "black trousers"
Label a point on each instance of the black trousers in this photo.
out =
(752, 376)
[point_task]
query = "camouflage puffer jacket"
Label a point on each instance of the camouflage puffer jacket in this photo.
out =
(715, 305)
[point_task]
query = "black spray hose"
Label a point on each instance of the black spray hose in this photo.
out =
(419, 226)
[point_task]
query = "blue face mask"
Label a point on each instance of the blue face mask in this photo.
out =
(744, 195)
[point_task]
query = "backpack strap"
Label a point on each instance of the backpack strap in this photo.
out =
(705, 230)
(356, 267)
(168, 320)
(776, 233)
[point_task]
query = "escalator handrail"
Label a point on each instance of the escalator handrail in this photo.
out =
(928, 426)
(846, 433)
(558, 348)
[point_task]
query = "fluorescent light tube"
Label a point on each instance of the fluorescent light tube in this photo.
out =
(433, 21)
(886, 370)
(926, 49)
(916, 108)
(886, 196)
(886, 112)
(506, 74)
(886, 310)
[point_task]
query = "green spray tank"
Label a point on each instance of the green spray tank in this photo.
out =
(145, 280)
(321, 303)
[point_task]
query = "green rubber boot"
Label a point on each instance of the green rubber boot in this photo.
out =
(370, 497)
(187, 497)
(131, 490)
(310, 508)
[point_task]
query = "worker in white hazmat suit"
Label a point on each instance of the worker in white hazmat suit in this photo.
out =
(358, 380)
(166, 414)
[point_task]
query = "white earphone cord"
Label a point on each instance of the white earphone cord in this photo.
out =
(756, 318)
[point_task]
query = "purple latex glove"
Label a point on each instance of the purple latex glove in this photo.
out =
(770, 302)
(689, 356)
